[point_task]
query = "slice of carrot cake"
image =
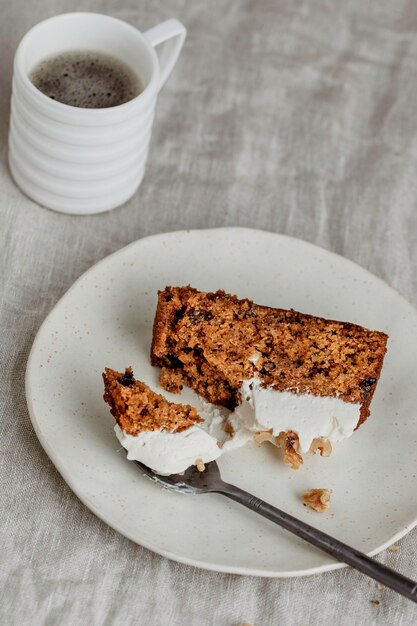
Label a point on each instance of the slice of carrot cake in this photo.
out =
(165, 436)
(299, 380)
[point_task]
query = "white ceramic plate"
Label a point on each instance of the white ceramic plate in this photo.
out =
(106, 318)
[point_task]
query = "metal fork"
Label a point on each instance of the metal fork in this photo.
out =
(195, 482)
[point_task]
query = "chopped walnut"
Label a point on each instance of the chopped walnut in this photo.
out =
(322, 445)
(290, 444)
(317, 499)
(200, 465)
(265, 435)
(394, 548)
(228, 428)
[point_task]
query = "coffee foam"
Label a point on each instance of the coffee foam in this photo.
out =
(86, 79)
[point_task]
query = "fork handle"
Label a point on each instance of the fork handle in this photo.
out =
(342, 552)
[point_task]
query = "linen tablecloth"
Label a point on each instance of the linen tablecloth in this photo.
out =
(297, 117)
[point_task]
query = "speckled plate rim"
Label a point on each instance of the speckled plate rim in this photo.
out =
(60, 466)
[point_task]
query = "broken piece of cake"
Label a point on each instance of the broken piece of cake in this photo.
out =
(304, 381)
(165, 436)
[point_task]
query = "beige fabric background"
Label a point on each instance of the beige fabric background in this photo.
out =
(293, 116)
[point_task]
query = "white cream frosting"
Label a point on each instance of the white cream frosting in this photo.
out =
(169, 452)
(214, 423)
(172, 453)
(261, 408)
(311, 417)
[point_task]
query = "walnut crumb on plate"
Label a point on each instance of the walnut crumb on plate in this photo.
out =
(317, 499)
(200, 465)
(394, 548)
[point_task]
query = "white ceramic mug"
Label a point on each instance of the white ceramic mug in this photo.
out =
(78, 160)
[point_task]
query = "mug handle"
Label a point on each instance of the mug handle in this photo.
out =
(171, 34)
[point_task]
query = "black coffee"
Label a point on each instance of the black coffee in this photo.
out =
(86, 79)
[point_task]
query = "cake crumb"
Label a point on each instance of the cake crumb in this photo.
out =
(380, 586)
(170, 381)
(375, 602)
(200, 465)
(317, 499)
(394, 548)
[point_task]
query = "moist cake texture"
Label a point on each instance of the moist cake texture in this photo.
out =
(212, 342)
(138, 409)
(165, 436)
